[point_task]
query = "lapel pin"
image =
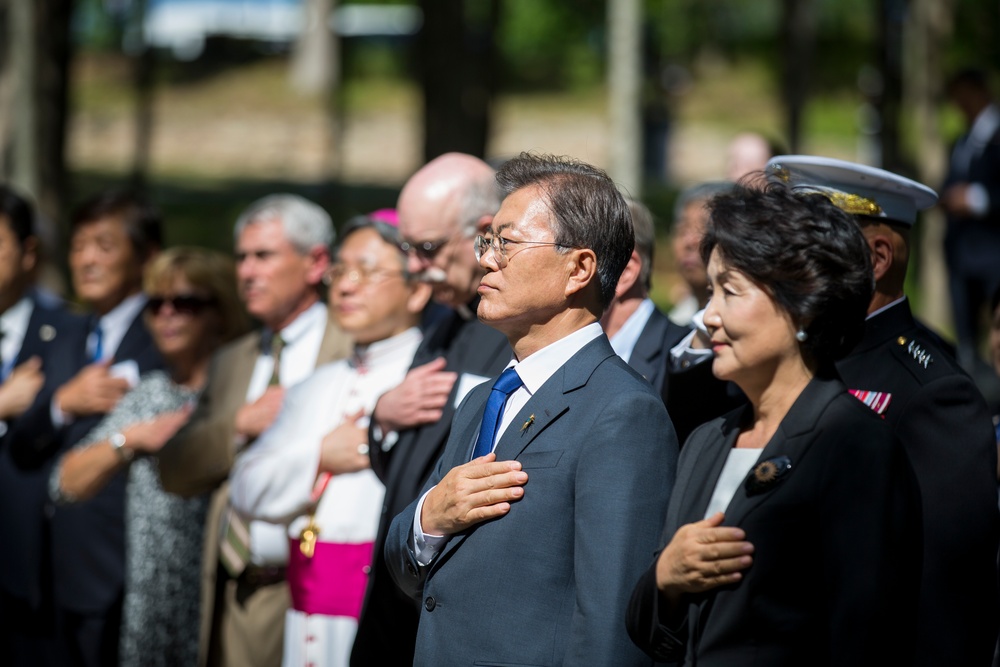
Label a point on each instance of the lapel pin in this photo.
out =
(531, 420)
(767, 474)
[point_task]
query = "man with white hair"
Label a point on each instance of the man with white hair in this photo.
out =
(282, 252)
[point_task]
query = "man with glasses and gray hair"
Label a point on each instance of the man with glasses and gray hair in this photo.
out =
(282, 247)
(547, 498)
(441, 208)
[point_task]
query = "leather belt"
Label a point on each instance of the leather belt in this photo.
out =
(258, 576)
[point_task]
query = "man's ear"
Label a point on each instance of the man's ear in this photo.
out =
(882, 254)
(419, 298)
(319, 262)
(630, 275)
(583, 270)
(29, 254)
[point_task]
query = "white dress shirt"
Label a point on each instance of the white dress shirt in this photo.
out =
(534, 371)
(13, 327)
(114, 325)
(303, 338)
(738, 464)
(624, 340)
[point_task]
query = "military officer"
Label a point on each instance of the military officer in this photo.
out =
(933, 408)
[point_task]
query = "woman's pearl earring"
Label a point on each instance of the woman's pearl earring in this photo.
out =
(801, 336)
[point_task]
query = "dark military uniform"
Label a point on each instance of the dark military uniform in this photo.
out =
(943, 423)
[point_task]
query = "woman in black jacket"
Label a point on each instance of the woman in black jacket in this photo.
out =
(792, 533)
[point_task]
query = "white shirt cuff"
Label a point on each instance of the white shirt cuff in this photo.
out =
(978, 199)
(425, 547)
(58, 417)
(384, 441)
(683, 356)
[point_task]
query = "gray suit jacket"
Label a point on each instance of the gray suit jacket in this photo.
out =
(548, 583)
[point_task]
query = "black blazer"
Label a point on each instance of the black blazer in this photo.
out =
(836, 546)
(387, 629)
(651, 353)
(23, 493)
(87, 538)
(944, 425)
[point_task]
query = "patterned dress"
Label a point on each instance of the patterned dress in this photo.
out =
(163, 541)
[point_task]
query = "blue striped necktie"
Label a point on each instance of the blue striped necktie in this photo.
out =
(506, 384)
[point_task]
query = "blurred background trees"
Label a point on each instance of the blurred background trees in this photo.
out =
(345, 103)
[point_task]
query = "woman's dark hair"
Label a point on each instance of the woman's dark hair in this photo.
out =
(810, 256)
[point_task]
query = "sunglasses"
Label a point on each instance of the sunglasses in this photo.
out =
(184, 304)
(425, 250)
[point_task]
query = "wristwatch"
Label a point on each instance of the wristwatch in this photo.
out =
(118, 444)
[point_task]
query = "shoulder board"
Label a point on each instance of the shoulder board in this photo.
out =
(915, 354)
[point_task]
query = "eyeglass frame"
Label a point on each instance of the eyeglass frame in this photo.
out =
(363, 276)
(500, 253)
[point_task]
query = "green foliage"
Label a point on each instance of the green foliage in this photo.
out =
(551, 43)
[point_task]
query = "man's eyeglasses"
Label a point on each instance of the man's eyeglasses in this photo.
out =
(498, 245)
(360, 275)
(425, 250)
(183, 304)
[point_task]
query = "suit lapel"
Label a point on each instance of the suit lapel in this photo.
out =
(706, 470)
(548, 404)
(336, 344)
(648, 348)
(243, 365)
(551, 401)
(792, 439)
(138, 345)
(41, 332)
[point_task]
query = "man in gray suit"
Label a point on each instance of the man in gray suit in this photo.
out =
(551, 491)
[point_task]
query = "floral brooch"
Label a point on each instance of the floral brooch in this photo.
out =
(767, 474)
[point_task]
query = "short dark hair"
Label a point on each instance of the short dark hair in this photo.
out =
(142, 221)
(810, 256)
(388, 233)
(588, 210)
(20, 216)
(973, 78)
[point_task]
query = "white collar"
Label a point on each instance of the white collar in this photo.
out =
(540, 366)
(886, 307)
(121, 316)
(375, 354)
(13, 327)
(625, 339)
(314, 315)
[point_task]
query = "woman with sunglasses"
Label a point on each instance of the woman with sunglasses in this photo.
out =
(792, 534)
(192, 309)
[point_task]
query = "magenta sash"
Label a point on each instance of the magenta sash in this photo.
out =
(333, 581)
